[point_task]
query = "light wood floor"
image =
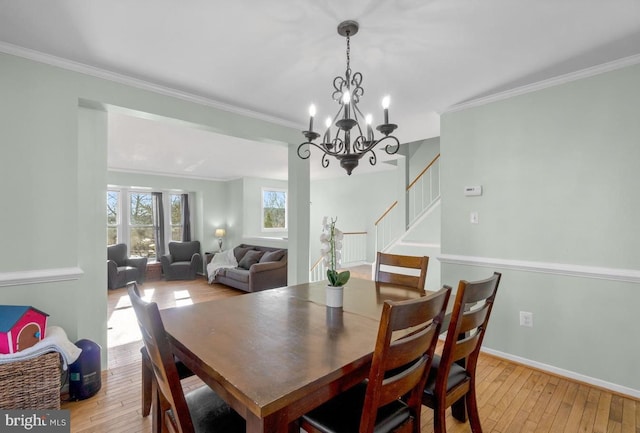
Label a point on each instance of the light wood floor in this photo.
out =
(512, 397)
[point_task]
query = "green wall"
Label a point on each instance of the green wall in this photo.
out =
(357, 201)
(559, 174)
(53, 167)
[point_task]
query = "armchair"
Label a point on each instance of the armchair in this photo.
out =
(183, 261)
(122, 269)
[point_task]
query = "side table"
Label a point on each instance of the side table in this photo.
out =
(154, 271)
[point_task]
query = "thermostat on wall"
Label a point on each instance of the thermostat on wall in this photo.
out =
(473, 190)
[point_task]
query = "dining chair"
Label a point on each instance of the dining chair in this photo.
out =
(199, 411)
(452, 379)
(390, 400)
(147, 397)
(406, 262)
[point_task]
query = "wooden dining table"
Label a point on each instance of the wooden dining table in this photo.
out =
(276, 354)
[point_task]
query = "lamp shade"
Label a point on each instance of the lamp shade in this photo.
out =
(220, 233)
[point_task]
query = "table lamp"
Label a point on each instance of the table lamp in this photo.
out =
(220, 234)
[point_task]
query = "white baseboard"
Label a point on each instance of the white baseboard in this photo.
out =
(633, 393)
(38, 276)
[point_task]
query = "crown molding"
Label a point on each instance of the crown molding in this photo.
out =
(613, 274)
(104, 74)
(38, 276)
(168, 174)
(551, 82)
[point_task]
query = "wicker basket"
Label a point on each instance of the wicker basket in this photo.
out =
(31, 384)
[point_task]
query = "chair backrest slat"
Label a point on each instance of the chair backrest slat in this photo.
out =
(472, 319)
(400, 261)
(406, 340)
(464, 347)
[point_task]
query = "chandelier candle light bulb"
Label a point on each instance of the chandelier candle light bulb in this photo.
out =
(369, 120)
(312, 113)
(385, 105)
(327, 134)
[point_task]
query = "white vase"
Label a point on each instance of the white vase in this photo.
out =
(334, 296)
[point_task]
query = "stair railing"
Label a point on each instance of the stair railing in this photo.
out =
(422, 192)
(387, 226)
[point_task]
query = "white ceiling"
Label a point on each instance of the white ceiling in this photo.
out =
(275, 58)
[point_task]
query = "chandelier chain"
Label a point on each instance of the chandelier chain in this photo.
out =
(348, 51)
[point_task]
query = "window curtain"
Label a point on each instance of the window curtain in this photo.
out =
(186, 218)
(158, 223)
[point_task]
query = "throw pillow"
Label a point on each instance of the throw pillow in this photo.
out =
(272, 256)
(250, 258)
(239, 252)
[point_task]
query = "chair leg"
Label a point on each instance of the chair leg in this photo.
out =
(472, 407)
(439, 419)
(146, 386)
(159, 408)
(459, 410)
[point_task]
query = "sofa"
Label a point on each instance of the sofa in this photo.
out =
(122, 269)
(258, 268)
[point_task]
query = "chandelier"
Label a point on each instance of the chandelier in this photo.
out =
(351, 140)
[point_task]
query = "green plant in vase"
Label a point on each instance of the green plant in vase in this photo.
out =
(331, 246)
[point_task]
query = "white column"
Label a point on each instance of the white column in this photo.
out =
(299, 214)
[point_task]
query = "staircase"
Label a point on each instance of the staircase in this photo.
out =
(423, 195)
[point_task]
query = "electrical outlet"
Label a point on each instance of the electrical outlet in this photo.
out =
(526, 319)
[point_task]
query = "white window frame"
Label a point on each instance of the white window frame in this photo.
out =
(129, 225)
(168, 225)
(286, 213)
(118, 224)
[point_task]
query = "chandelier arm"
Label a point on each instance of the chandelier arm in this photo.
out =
(373, 159)
(338, 147)
(337, 144)
(325, 161)
(305, 153)
(360, 144)
(390, 148)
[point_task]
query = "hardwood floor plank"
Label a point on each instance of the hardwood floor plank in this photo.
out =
(517, 395)
(577, 409)
(602, 413)
(629, 416)
(549, 415)
(590, 410)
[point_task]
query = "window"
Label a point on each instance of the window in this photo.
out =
(274, 209)
(141, 238)
(113, 216)
(132, 219)
(176, 217)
